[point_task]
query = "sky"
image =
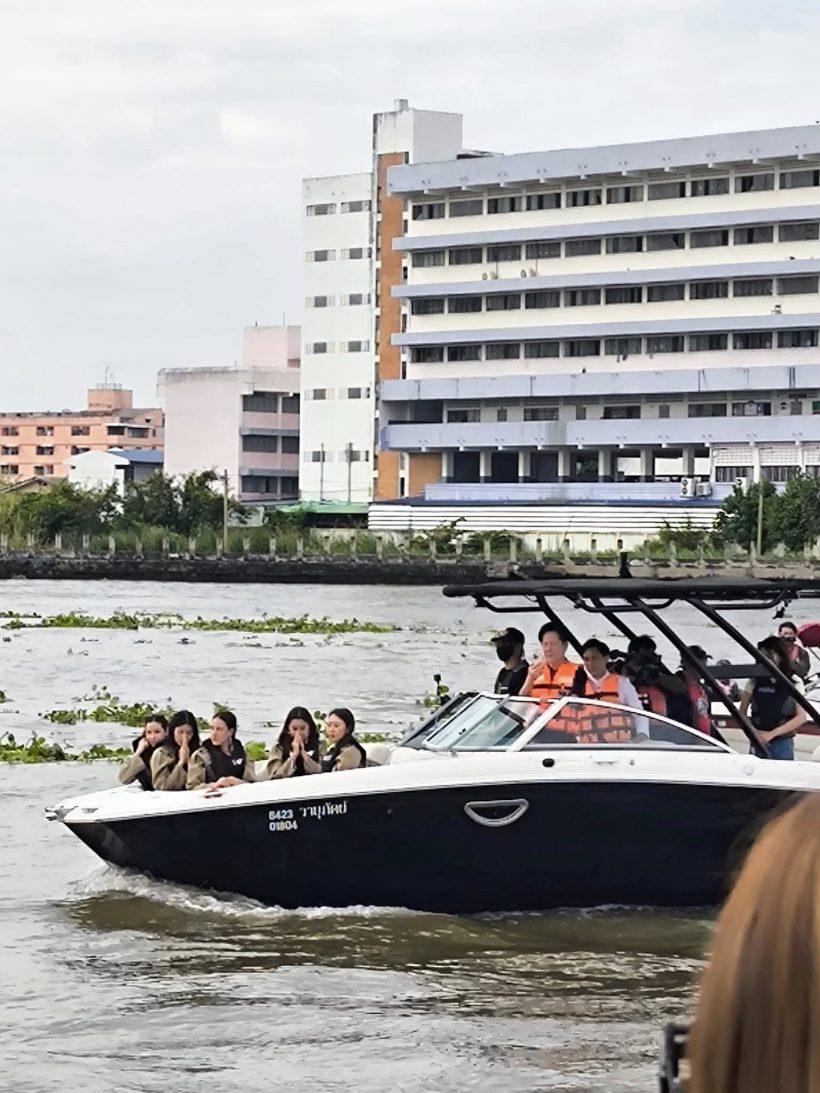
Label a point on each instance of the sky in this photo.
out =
(151, 154)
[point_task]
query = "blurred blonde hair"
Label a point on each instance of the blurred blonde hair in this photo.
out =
(757, 1023)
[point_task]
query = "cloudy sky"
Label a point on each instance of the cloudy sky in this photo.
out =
(151, 154)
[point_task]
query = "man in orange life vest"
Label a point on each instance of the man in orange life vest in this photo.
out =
(595, 680)
(551, 675)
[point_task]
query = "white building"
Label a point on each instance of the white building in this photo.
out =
(350, 267)
(243, 420)
(605, 323)
(93, 469)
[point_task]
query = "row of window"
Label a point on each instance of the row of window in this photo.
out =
(616, 294)
(253, 442)
(281, 485)
(619, 347)
(352, 299)
(622, 194)
(620, 412)
(325, 394)
(358, 346)
(346, 455)
(697, 239)
(329, 208)
(268, 402)
(346, 253)
(770, 474)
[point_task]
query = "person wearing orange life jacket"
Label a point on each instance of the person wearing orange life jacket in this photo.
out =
(595, 680)
(551, 675)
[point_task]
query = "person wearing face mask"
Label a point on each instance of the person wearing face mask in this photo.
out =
(169, 763)
(297, 750)
(137, 767)
(346, 752)
(221, 761)
(509, 648)
(798, 655)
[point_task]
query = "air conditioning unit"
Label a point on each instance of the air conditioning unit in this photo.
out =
(704, 489)
(687, 487)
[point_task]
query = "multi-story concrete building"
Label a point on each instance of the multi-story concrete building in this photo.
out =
(350, 268)
(38, 444)
(643, 317)
(243, 420)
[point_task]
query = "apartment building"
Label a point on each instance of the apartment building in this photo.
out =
(38, 444)
(350, 267)
(243, 420)
(640, 317)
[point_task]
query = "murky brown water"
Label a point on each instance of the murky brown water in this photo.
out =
(112, 982)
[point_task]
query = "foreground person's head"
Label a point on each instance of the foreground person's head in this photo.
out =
(155, 729)
(223, 729)
(777, 651)
(183, 728)
(299, 724)
(554, 641)
(340, 723)
(756, 1023)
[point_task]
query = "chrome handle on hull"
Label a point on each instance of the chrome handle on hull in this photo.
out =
(511, 811)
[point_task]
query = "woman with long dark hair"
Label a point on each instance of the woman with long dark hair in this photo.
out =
(137, 767)
(169, 763)
(774, 711)
(297, 749)
(346, 752)
(221, 761)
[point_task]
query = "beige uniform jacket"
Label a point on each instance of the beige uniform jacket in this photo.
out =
(131, 769)
(166, 771)
(350, 758)
(200, 763)
(277, 767)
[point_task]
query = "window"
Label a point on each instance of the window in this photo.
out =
(580, 413)
(355, 347)
(424, 259)
(45, 430)
(753, 184)
(254, 443)
(427, 354)
(760, 233)
(707, 409)
(577, 199)
(796, 233)
(730, 474)
(9, 450)
(466, 256)
(461, 305)
(463, 352)
(48, 468)
(80, 430)
(755, 286)
(9, 430)
(321, 255)
(473, 206)
(797, 339)
(320, 456)
(43, 449)
(753, 339)
(319, 301)
(504, 204)
(462, 414)
(427, 307)
(538, 350)
(583, 347)
(798, 180)
(290, 404)
(581, 297)
(75, 450)
(503, 351)
(261, 402)
(10, 468)
(501, 414)
(578, 248)
(709, 237)
(700, 343)
(544, 201)
(709, 187)
(540, 413)
(351, 455)
(504, 252)
(321, 210)
(357, 392)
(796, 407)
(621, 413)
(320, 394)
(779, 474)
(355, 206)
(115, 430)
(624, 294)
(544, 248)
(504, 301)
(709, 290)
(665, 343)
(544, 298)
(622, 347)
(663, 409)
(656, 294)
(354, 299)
(290, 445)
(319, 347)
(751, 409)
(429, 210)
(792, 286)
(624, 244)
(354, 253)
(623, 195)
(666, 241)
(660, 191)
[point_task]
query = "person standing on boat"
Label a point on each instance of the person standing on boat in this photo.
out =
(774, 710)
(594, 679)
(550, 675)
(137, 767)
(297, 750)
(509, 648)
(693, 707)
(346, 752)
(652, 681)
(169, 763)
(798, 654)
(221, 761)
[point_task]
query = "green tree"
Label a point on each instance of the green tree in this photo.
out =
(798, 513)
(738, 517)
(58, 509)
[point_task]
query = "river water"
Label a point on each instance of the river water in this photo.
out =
(114, 982)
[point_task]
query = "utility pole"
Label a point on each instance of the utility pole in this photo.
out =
(225, 512)
(349, 470)
(760, 516)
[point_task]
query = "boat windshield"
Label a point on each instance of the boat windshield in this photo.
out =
(486, 722)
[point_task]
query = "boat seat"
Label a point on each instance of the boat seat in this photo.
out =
(378, 754)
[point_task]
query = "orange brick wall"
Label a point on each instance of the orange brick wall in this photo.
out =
(422, 469)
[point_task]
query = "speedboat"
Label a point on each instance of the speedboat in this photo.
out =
(488, 806)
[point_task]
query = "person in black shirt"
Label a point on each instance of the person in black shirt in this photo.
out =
(509, 647)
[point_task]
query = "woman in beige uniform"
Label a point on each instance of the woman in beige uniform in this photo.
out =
(297, 751)
(137, 767)
(221, 761)
(346, 753)
(169, 763)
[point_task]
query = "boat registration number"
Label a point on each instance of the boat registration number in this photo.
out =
(287, 819)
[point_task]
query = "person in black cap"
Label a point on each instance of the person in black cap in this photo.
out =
(509, 647)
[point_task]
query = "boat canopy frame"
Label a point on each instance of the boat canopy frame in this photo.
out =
(615, 597)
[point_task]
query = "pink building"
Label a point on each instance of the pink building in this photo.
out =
(243, 420)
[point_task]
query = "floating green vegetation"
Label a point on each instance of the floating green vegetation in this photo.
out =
(133, 714)
(301, 624)
(40, 750)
